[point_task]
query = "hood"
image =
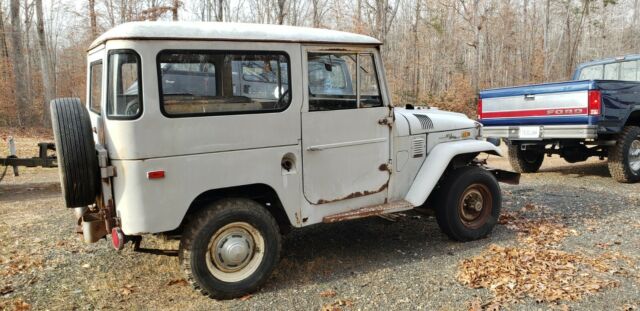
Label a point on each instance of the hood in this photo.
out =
(419, 121)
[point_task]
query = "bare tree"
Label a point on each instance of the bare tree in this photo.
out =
(19, 63)
(45, 63)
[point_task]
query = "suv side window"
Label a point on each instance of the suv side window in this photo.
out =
(198, 83)
(342, 81)
(368, 82)
(95, 86)
(124, 90)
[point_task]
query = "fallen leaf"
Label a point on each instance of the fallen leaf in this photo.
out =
(6, 290)
(182, 282)
(328, 293)
(246, 297)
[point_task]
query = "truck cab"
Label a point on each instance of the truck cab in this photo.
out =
(596, 114)
(228, 135)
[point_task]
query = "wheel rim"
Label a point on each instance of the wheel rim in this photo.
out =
(475, 205)
(235, 252)
(634, 155)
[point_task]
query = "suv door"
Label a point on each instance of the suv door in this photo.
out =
(345, 144)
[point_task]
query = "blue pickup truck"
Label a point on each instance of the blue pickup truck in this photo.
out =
(595, 114)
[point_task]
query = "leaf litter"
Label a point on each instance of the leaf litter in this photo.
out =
(536, 268)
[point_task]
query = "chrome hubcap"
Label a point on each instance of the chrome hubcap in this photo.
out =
(232, 249)
(634, 155)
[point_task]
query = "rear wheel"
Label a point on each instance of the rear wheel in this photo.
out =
(230, 248)
(468, 204)
(75, 151)
(525, 161)
(624, 157)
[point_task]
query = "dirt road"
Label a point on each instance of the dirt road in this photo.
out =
(366, 264)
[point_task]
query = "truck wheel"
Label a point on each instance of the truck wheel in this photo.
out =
(468, 204)
(624, 157)
(230, 248)
(75, 151)
(525, 161)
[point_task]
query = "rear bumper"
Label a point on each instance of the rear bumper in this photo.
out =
(546, 132)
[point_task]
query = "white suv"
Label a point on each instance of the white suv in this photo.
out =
(228, 135)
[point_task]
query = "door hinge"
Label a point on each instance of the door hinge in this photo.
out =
(386, 121)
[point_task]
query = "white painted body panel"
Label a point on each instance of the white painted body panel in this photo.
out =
(160, 30)
(145, 205)
(436, 163)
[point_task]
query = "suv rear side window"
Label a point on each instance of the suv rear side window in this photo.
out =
(195, 83)
(124, 90)
(95, 88)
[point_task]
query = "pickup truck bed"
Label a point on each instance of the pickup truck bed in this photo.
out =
(576, 119)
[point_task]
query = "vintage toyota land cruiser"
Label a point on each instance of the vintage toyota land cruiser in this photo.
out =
(228, 135)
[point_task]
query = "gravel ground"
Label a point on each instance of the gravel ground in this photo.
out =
(366, 264)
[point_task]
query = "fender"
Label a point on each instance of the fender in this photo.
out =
(438, 160)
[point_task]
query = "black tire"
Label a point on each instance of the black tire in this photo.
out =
(209, 226)
(76, 152)
(620, 157)
(464, 184)
(525, 161)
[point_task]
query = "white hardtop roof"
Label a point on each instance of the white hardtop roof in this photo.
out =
(229, 31)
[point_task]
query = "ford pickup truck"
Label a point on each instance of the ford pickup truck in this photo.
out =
(595, 114)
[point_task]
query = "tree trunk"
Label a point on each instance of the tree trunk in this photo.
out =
(92, 17)
(19, 65)
(45, 63)
(220, 15)
(546, 44)
(174, 9)
(281, 12)
(4, 52)
(416, 47)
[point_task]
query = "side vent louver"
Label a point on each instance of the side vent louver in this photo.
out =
(425, 121)
(418, 147)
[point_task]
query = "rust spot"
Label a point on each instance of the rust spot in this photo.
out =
(356, 194)
(384, 167)
(368, 211)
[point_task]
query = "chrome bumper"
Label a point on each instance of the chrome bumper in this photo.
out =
(546, 132)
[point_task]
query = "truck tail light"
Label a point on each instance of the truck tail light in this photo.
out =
(595, 103)
(479, 108)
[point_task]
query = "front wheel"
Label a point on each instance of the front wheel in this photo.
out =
(468, 204)
(624, 156)
(230, 248)
(525, 161)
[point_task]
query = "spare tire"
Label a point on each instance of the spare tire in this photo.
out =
(76, 151)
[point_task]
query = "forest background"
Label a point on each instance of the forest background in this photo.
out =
(436, 52)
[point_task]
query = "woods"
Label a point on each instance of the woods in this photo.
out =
(436, 53)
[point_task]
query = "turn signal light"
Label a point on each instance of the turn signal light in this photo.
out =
(479, 108)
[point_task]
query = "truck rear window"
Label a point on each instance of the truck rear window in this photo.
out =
(621, 70)
(194, 83)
